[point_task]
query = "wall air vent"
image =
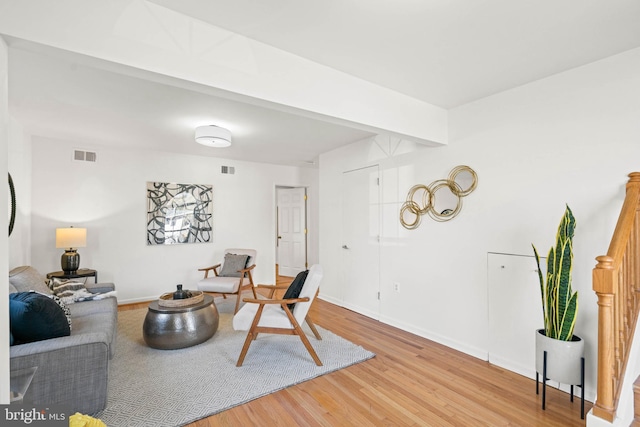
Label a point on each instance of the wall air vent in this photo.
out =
(85, 156)
(228, 170)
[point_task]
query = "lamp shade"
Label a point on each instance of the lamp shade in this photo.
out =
(213, 136)
(71, 237)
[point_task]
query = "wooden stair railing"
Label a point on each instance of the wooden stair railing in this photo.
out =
(616, 281)
(636, 403)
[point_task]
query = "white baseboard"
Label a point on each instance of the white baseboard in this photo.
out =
(137, 300)
(456, 345)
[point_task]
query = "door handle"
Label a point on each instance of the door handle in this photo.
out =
(279, 237)
(345, 247)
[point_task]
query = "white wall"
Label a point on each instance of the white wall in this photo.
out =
(109, 199)
(4, 246)
(20, 169)
(571, 138)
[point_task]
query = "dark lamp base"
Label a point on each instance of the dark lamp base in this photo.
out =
(70, 261)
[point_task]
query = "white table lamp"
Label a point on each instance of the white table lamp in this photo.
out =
(70, 239)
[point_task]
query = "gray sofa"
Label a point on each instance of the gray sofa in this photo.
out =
(72, 370)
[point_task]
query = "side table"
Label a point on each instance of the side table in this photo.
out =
(80, 273)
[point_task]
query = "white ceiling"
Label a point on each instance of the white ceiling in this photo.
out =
(444, 52)
(69, 97)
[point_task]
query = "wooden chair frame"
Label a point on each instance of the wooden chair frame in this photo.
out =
(296, 330)
(245, 271)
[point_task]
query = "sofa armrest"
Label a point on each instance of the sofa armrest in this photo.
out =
(100, 288)
(72, 371)
(45, 346)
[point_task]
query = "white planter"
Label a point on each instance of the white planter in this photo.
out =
(563, 358)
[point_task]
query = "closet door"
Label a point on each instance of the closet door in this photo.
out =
(515, 311)
(360, 241)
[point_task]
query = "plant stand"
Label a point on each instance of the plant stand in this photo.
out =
(544, 384)
(561, 361)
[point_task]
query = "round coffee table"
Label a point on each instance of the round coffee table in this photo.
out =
(169, 328)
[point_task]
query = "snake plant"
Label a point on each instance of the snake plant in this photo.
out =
(559, 302)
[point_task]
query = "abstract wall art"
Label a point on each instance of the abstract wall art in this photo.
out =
(179, 213)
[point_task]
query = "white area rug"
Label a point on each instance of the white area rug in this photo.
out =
(150, 387)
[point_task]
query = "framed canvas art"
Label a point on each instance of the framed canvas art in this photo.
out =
(179, 213)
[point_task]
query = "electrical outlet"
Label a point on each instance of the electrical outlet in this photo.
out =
(396, 286)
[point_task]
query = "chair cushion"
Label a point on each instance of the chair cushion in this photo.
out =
(232, 264)
(26, 279)
(35, 317)
(227, 285)
(293, 291)
(272, 316)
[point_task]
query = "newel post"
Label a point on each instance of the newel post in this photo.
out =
(634, 179)
(604, 278)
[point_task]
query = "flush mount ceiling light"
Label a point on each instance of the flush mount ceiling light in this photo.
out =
(213, 136)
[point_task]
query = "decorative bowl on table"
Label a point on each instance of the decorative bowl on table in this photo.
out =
(167, 300)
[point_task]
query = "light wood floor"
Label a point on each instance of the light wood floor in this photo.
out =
(411, 382)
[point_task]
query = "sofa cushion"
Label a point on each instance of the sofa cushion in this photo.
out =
(12, 289)
(104, 324)
(36, 317)
(27, 278)
(98, 323)
(89, 308)
(96, 316)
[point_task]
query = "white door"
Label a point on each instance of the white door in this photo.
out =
(360, 241)
(292, 231)
(515, 311)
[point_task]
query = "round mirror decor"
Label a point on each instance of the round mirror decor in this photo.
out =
(461, 175)
(454, 192)
(461, 182)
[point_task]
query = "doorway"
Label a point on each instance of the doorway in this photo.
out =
(360, 253)
(291, 230)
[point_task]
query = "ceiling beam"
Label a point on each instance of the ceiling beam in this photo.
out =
(150, 37)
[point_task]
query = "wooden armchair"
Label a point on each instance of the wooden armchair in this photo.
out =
(234, 277)
(273, 316)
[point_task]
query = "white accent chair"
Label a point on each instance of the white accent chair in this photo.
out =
(223, 284)
(273, 316)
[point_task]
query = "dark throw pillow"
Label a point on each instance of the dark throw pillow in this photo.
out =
(35, 317)
(233, 263)
(294, 289)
